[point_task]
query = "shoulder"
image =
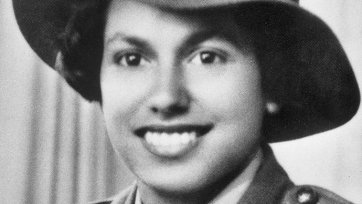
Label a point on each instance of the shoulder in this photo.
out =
(307, 194)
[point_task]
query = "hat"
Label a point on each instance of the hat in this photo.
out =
(305, 70)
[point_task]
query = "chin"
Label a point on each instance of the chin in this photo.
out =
(176, 182)
(185, 182)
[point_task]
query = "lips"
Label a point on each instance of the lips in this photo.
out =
(171, 141)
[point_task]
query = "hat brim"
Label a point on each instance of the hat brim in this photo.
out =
(299, 44)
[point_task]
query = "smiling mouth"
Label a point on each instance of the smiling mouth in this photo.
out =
(199, 130)
(171, 141)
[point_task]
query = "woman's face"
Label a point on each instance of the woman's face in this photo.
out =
(181, 94)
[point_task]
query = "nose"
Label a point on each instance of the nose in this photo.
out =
(170, 96)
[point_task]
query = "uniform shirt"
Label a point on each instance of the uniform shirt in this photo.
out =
(270, 185)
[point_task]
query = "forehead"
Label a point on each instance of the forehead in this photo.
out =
(134, 17)
(141, 9)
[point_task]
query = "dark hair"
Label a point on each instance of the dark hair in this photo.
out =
(81, 45)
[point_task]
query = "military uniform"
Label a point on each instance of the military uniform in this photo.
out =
(271, 184)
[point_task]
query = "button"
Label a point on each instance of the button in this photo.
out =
(306, 195)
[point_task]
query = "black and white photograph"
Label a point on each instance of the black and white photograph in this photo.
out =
(180, 101)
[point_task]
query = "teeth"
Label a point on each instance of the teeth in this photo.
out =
(170, 139)
(184, 138)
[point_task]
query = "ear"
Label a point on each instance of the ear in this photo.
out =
(271, 107)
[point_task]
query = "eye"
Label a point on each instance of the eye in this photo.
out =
(130, 60)
(207, 58)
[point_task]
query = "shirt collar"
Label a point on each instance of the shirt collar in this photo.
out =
(236, 189)
(138, 199)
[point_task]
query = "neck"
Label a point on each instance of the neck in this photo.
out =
(236, 181)
(152, 196)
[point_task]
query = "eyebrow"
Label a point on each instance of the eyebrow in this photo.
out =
(190, 40)
(135, 41)
(207, 34)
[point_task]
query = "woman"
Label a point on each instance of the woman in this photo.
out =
(192, 91)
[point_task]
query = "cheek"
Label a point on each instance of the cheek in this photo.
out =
(234, 94)
(235, 101)
(122, 97)
(123, 92)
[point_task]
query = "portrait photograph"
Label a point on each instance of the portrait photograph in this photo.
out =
(180, 101)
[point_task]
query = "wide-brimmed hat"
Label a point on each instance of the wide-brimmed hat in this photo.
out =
(305, 70)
